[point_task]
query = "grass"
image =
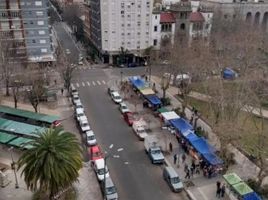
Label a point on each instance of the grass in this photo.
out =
(247, 131)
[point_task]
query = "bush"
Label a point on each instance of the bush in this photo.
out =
(200, 132)
(263, 191)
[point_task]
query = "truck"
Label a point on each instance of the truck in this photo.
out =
(153, 149)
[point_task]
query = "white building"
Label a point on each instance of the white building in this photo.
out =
(121, 24)
(163, 28)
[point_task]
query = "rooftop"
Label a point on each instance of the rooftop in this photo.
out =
(196, 17)
(167, 17)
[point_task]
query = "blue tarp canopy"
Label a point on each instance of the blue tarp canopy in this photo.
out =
(251, 196)
(191, 136)
(212, 159)
(153, 99)
(229, 73)
(181, 125)
(137, 82)
(202, 146)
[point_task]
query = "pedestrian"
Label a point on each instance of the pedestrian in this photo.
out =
(183, 158)
(55, 81)
(218, 184)
(192, 171)
(218, 192)
(185, 167)
(223, 190)
(193, 164)
(62, 90)
(187, 174)
(175, 157)
(197, 169)
(170, 147)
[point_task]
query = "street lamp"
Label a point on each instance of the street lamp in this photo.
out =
(106, 156)
(13, 166)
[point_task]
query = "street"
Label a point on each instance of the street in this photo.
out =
(134, 175)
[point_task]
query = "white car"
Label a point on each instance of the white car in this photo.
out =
(116, 97)
(98, 166)
(84, 125)
(79, 112)
(139, 129)
(76, 99)
(68, 51)
(91, 140)
(79, 105)
(123, 108)
(74, 91)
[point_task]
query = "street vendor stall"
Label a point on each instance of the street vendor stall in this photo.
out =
(241, 189)
(167, 116)
(202, 146)
(181, 125)
(146, 91)
(251, 196)
(137, 82)
(232, 178)
(153, 100)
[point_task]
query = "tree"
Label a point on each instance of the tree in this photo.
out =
(53, 162)
(65, 68)
(36, 92)
(16, 85)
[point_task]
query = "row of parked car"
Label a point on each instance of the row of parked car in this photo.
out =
(97, 157)
(152, 147)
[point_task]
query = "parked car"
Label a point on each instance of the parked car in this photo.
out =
(73, 91)
(95, 153)
(68, 51)
(116, 97)
(90, 137)
(123, 108)
(153, 149)
(129, 118)
(79, 112)
(98, 166)
(110, 91)
(139, 129)
(84, 125)
(79, 105)
(109, 190)
(76, 99)
(172, 178)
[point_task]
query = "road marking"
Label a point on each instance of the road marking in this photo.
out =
(104, 82)
(77, 84)
(88, 83)
(83, 84)
(93, 83)
(99, 82)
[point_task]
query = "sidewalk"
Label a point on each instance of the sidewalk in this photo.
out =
(243, 167)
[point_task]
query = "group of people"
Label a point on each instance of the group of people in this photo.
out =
(220, 192)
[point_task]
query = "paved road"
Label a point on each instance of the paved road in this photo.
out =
(66, 41)
(138, 179)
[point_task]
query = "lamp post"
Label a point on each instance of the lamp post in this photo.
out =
(121, 76)
(13, 166)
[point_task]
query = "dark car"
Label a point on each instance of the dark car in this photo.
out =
(132, 65)
(129, 118)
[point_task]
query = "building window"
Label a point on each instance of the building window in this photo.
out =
(155, 42)
(43, 41)
(182, 26)
(44, 50)
(155, 17)
(40, 23)
(41, 32)
(38, 3)
(33, 41)
(39, 13)
(155, 28)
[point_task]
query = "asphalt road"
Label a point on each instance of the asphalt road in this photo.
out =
(138, 179)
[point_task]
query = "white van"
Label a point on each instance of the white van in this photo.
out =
(98, 166)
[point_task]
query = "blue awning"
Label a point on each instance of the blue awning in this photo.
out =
(252, 196)
(191, 136)
(181, 125)
(153, 99)
(212, 159)
(137, 82)
(202, 146)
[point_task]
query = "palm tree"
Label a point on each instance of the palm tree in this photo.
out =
(53, 162)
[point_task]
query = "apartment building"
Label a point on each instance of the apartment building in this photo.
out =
(121, 25)
(87, 19)
(24, 24)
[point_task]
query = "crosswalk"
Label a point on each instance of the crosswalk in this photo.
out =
(89, 83)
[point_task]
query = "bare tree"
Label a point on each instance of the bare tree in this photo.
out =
(16, 84)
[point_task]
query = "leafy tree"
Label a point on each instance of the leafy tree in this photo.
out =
(53, 162)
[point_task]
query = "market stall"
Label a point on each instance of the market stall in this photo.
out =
(181, 125)
(251, 196)
(153, 100)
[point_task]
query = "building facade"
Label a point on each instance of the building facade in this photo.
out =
(121, 26)
(25, 25)
(87, 19)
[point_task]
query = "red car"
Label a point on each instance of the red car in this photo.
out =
(95, 152)
(129, 118)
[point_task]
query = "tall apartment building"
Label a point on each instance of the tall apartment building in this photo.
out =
(121, 25)
(24, 24)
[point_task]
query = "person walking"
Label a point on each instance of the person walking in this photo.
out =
(218, 190)
(62, 90)
(170, 147)
(223, 190)
(192, 171)
(175, 157)
(187, 174)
